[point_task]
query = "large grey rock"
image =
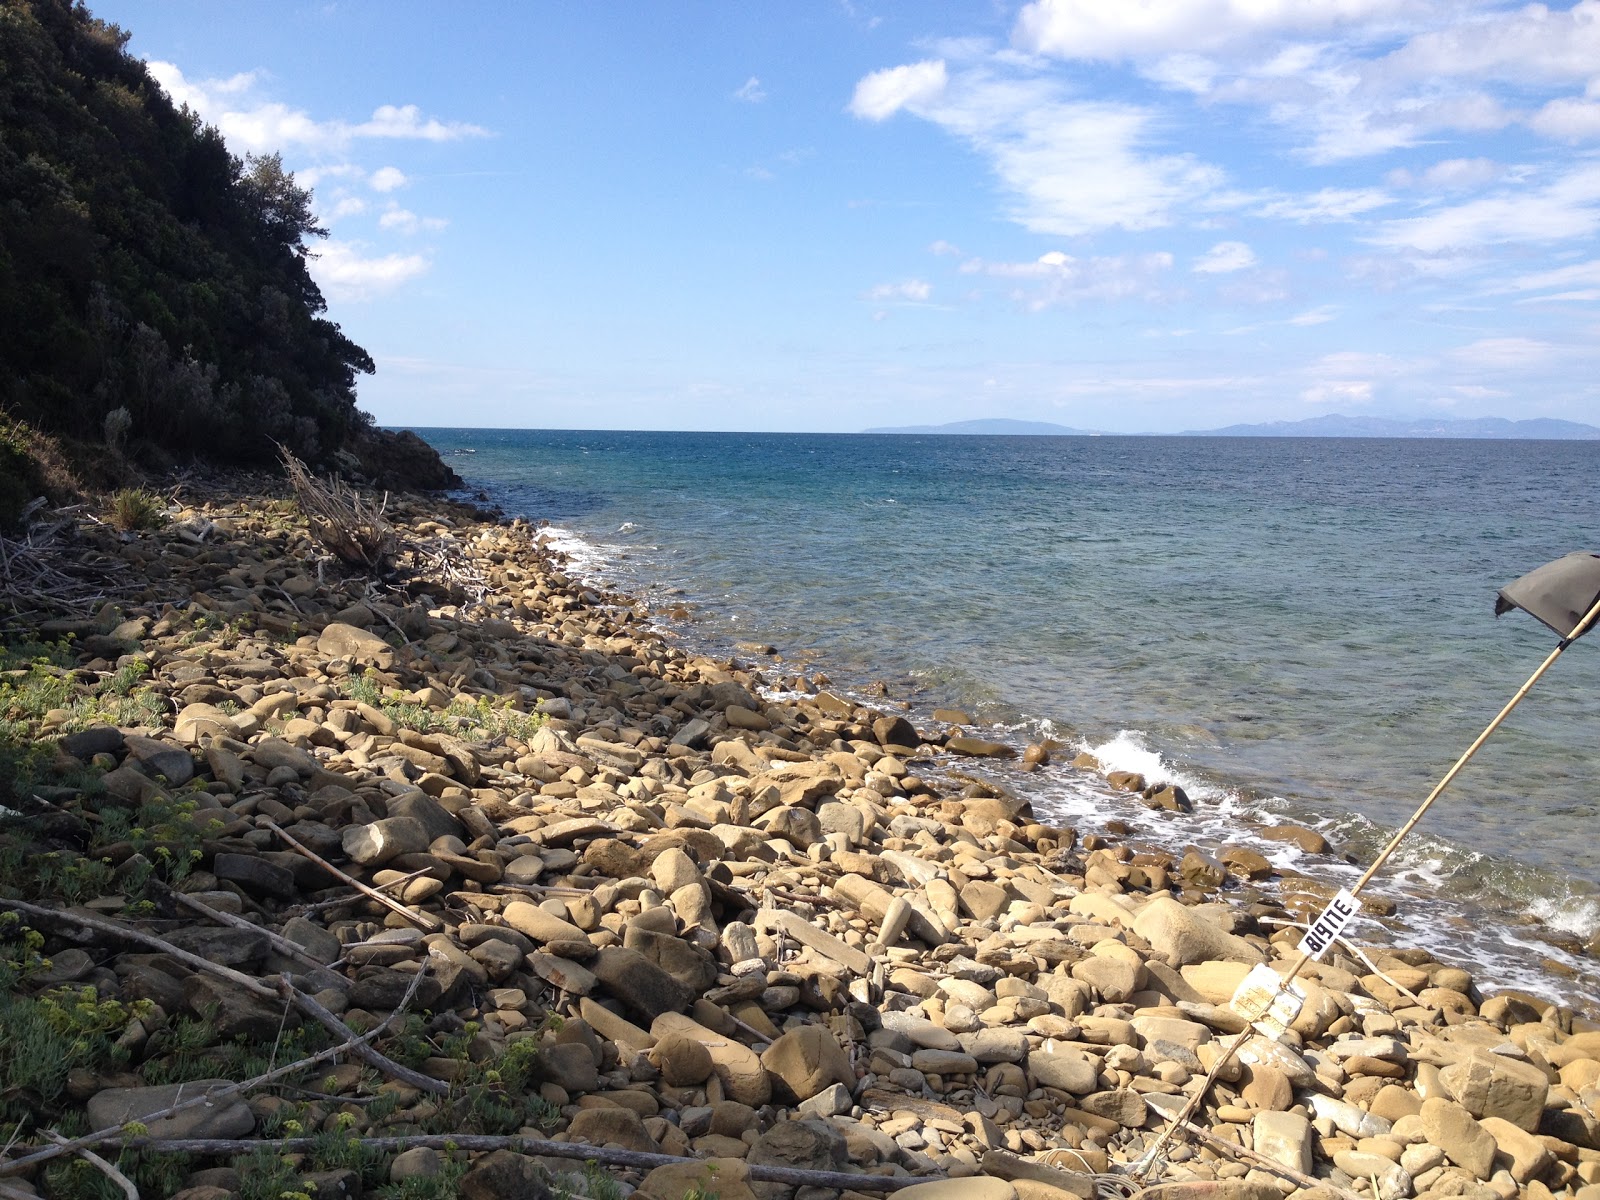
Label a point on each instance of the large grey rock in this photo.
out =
(644, 989)
(1284, 1137)
(1062, 1066)
(804, 1061)
(1185, 937)
(355, 645)
(1452, 1129)
(570, 1066)
(375, 844)
(811, 1145)
(156, 757)
(1491, 1085)
(227, 1119)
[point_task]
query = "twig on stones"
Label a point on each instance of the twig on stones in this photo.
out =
(1355, 950)
(421, 920)
(606, 1155)
(126, 933)
(1242, 1154)
(101, 1165)
(365, 1052)
(250, 984)
(114, 1133)
(318, 971)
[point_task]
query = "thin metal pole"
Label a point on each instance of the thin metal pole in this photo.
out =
(1152, 1156)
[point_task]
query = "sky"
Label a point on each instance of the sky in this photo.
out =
(1121, 215)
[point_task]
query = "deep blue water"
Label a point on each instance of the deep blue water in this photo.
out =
(1301, 627)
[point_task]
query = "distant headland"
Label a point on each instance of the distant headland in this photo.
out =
(1539, 428)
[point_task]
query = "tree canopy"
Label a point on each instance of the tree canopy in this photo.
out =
(145, 267)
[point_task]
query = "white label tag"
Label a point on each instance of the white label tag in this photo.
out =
(1267, 1002)
(1340, 912)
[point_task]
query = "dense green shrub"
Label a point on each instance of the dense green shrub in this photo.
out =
(145, 268)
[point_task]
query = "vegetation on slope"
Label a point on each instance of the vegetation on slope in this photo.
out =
(153, 287)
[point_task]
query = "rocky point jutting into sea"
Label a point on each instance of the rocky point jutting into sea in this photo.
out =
(599, 901)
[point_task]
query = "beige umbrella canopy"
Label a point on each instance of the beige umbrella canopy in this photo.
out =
(1560, 593)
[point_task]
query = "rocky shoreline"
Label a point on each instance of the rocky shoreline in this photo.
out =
(623, 906)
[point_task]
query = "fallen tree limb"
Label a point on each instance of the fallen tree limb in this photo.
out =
(249, 983)
(114, 1133)
(1250, 1157)
(364, 1051)
(424, 921)
(101, 1165)
(316, 970)
(607, 1155)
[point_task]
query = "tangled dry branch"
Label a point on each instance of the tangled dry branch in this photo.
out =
(342, 520)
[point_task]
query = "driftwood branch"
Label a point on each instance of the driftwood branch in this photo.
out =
(606, 1155)
(342, 520)
(422, 920)
(362, 1050)
(101, 1165)
(1245, 1155)
(114, 1133)
(317, 971)
(248, 982)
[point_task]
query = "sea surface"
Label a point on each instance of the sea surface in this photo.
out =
(1293, 629)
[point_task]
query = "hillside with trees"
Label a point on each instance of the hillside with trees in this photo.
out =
(154, 288)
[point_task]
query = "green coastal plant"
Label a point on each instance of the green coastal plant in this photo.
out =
(479, 719)
(134, 509)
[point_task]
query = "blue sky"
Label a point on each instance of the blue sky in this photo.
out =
(1128, 215)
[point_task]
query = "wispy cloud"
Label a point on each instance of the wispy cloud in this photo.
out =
(915, 291)
(750, 91)
(1057, 278)
(344, 271)
(1567, 207)
(257, 126)
(1225, 257)
(403, 220)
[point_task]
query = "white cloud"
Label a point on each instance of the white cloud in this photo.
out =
(401, 220)
(750, 91)
(1315, 316)
(1073, 166)
(1329, 204)
(1531, 44)
(1568, 207)
(1225, 257)
(1567, 119)
(943, 247)
(1095, 29)
(916, 291)
(406, 121)
(1453, 174)
(1574, 275)
(345, 206)
(342, 271)
(387, 179)
(883, 93)
(1503, 354)
(261, 127)
(1058, 278)
(1339, 391)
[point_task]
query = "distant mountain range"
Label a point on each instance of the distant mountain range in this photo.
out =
(1432, 427)
(1545, 428)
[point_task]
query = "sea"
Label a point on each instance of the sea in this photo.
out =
(1293, 630)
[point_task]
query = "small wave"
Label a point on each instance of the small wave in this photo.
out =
(626, 527)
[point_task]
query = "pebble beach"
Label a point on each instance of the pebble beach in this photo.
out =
(608, 901)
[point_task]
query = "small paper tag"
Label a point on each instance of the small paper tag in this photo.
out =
(1268, 1003)
(1340, 912)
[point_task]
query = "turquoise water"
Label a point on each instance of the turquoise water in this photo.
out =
(1296, 628)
